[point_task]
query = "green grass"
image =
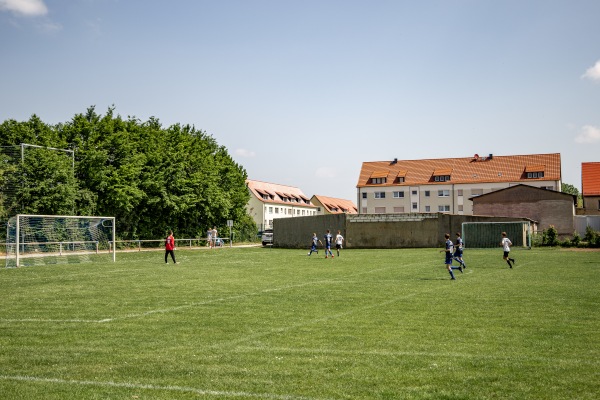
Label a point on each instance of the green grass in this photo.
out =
(276, 324)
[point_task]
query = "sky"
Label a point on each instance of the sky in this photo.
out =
(301, 93)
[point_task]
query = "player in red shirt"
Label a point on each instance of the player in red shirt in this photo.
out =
(170, 248)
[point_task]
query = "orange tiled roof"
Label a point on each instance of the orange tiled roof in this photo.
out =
(465, 169)
(280, 194)
(590, 178)
(343, 206)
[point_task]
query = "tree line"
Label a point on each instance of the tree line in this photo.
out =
(151, 178)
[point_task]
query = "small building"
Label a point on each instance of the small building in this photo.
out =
(331, 205)
(269, 201)
(590, 187)
(547, 207)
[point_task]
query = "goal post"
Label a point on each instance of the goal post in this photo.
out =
(53, 239)
(488, 234)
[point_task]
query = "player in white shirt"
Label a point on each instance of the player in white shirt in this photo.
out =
(339, 240)
(506, 243)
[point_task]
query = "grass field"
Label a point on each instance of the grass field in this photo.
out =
(258, 323)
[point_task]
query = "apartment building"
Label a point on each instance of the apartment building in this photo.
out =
(331, 205)
(269, 201)
(447, 184)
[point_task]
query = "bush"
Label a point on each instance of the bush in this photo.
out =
(550, 237)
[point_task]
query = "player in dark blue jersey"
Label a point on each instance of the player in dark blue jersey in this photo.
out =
(327, 239)
(449, 252)
(458, 250)
(313, 244)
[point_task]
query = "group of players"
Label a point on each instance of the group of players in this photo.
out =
(454, 251)
(327, 241)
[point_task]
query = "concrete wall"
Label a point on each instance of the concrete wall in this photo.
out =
(375, 231)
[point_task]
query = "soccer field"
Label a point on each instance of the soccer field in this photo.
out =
(263, 323)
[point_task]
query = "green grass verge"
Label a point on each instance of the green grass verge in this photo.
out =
(276, 324)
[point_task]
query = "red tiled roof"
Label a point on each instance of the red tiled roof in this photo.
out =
(343, 206)
(590, 179)
(276, 191)
(465, 169)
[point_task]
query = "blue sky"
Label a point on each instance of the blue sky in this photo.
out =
(302, 92)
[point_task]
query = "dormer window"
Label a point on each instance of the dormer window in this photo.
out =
(534, 171)
(378, 181)
(442, 175)
(378, 177)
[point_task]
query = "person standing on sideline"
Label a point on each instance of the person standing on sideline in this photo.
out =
(215, 235)
(506, 243)
(328, 238)
(339, 240)
(209, 238)
(458, 250)
(170, 248)
(449, 252)
(313, 245)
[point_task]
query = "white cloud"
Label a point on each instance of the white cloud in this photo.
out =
(326, 172)
(28, 8)
(593, 73)
(588, 134)
(245, 153)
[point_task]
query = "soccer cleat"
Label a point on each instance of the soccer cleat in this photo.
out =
(332, 256)
(460, 269)
(452, 279)
(325, 256)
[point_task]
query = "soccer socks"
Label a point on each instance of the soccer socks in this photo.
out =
(451, 274)
(508, 262)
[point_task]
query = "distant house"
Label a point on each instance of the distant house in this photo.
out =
(547, 207)
(331, 205)
(590, 187)
(446, 184)
(269, 201)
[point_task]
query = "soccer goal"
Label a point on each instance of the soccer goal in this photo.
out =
(488, 234)
(56, 239)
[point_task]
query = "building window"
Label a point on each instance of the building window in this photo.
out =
(398, 195)
(415, 206)
(476, 192)
(398, 210)
(270, 210)
(427, 193)
(460, 208)
(443, 193)
(276, 210)
(400, 179)
(533, 175)
(427, 208)
(380, 195)
(378, 181)
(379, 210)
(459, 192)
(444, 208)
(364, 210)
(364, 195)
(414, 192)
(548, 187)
(441, 178)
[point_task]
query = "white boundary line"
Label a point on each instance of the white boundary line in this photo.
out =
(141, 386)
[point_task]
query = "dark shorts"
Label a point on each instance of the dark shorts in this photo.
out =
(338, 246)
(458, 253)
(506, 253)
(448, 258)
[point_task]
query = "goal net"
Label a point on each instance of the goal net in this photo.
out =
(489, 234)
(53, 239)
